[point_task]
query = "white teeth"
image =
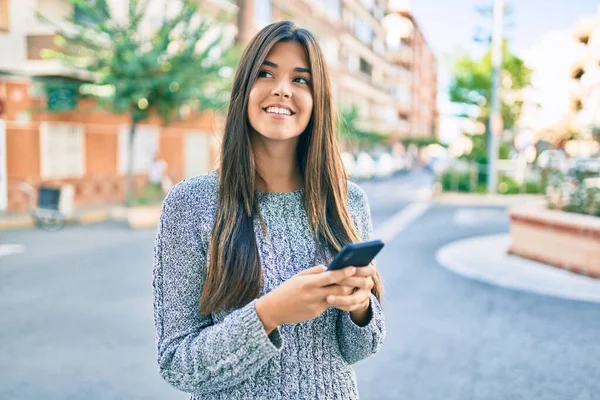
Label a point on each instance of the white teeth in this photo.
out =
(279, 110)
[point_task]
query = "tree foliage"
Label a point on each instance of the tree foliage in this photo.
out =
(348, 128)
(135, 70)
(139, 66)
(471, 86)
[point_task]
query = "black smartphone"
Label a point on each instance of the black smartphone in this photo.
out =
(356, 254)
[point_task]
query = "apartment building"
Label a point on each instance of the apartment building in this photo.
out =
(83, 148)
(585, 74)
(389, 75)
(410, 51)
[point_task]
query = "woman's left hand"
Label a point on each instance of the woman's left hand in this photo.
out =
(359, 285)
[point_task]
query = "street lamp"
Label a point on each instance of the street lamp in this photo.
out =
(495, 125)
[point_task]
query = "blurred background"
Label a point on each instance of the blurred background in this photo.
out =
(473, 127)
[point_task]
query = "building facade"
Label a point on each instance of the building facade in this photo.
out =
(85, 148)
(585, 73)
(389, 76)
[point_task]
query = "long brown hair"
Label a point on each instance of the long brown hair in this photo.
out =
(234, 275)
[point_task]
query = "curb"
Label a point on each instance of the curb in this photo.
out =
(26, 222)
(485, 259)
(16, 223)
(115, 213)
(486, 199)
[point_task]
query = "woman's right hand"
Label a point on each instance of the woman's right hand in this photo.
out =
(302, 297)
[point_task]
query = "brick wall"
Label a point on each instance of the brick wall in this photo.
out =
(101, 182)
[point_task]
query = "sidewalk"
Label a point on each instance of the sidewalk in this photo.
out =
(86, 215)
(475, 199)
(484, 258)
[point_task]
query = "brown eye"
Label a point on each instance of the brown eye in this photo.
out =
(264, 74)
(302, 80)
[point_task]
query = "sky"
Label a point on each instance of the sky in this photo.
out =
(449, 26)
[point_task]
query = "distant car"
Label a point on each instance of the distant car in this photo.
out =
(384, 167)
(401, 163)
(349, 163)
(554, 159)
(585, 166)
(409, 162)
(436, 164)
(365, 166)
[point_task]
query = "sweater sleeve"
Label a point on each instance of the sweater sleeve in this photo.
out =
(359, 342)
(195, 354)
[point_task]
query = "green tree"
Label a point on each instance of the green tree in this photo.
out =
(184, 61)
(348, 128)
(471, 86)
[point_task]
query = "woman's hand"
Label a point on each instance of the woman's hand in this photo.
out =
(302, 297)
(358, 301)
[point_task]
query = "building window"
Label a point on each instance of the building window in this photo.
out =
(363, 31)
(263, 13)
(365, 67)
(333, 7)
(368, 4)
(378, 47)
(145, 146)
(348, 18)
(62, 150)
(4, 16)
(378, 12)
(331, 48)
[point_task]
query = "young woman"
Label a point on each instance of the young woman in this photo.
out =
(243, 306)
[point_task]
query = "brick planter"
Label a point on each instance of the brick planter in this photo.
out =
(565, 240)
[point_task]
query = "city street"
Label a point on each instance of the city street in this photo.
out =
(76, 315)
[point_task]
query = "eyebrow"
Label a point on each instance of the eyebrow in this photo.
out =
(297, 69)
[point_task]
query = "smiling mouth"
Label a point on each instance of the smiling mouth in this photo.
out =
(279, 111)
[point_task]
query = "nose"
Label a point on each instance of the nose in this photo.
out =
(282, 89)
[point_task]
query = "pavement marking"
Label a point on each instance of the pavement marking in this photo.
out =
(8, 249)
(477, 216)
(382, 192)
(485, 258)
(397, 223)
(402, 192)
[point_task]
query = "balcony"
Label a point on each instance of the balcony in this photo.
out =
(401, 55)
(37, 43)
(215, 7)
(582, 31)
(577, 71)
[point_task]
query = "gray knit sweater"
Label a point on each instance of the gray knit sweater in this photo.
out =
(228, 355)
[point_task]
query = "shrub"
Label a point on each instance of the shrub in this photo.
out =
(453, 180)
(508, 185)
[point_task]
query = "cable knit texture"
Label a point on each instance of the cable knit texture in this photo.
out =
(228, 355)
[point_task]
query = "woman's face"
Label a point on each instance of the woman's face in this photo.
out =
(281, 102)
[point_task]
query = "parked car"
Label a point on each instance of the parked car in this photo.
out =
(349, 163)
(436, 164)
(384, 166)
(403, 162)
(364, 167)
(585, 166)
(555, 159)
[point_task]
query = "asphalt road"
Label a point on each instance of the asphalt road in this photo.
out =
(76, 317)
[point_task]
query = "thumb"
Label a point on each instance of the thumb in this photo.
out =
(314, 270)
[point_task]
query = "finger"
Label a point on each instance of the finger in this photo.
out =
(357, 282)
(368, 270)
(355, 307)
(335, 290)
(331, 277)
(357, 298)
(317, 269)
